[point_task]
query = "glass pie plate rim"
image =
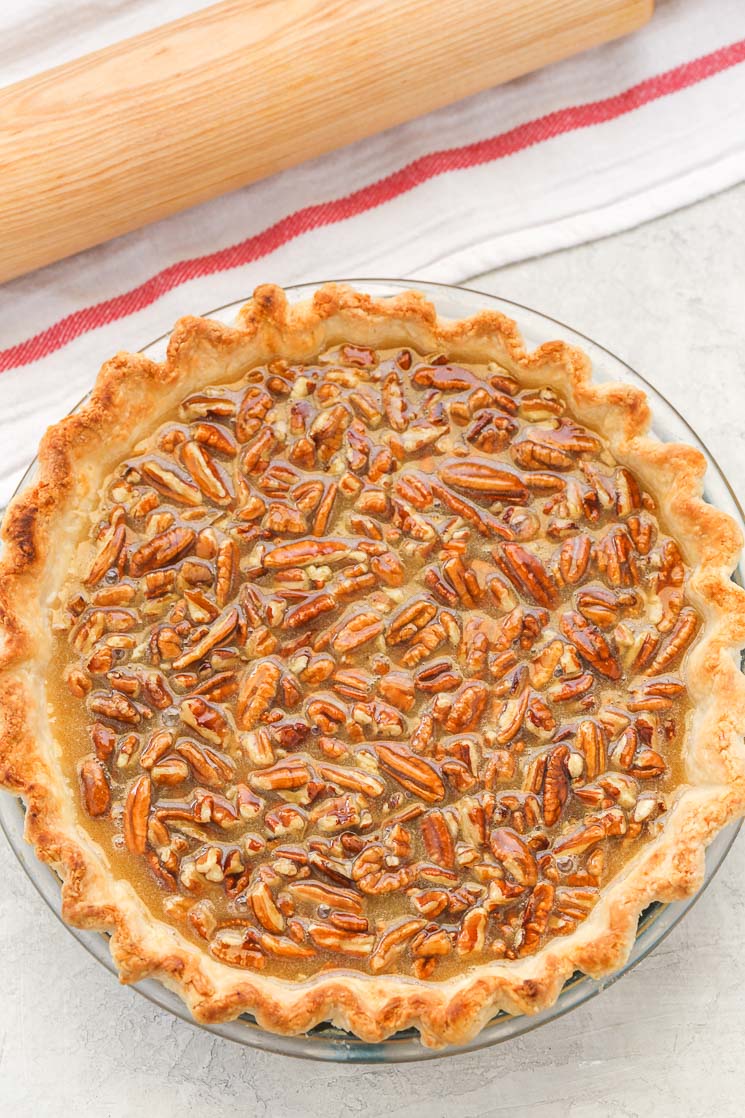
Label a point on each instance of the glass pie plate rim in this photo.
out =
(327, 1042)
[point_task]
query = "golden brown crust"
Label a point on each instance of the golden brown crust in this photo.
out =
(40, 533)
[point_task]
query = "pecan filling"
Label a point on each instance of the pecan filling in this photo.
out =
(375, 662)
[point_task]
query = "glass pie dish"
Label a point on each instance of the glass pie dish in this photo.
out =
(326, 1042)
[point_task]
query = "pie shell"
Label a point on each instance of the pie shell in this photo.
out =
(40, 533)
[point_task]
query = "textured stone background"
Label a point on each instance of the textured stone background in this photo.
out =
(668, 1039)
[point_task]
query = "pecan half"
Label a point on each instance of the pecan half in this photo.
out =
(598, 605)
(205, 718)
(115, 706)
(590, 741)
(162, 550)
(265, 908)
(136, 812)
(392, 943)
(535, 918)
(394, 401)
(527, 574)
(218, 632)
(357, 780)
(304, 552)
(205, 472)
(676, 642)
(171, 484)
(359, 629)
(411, 771)
(407, 622)
(289, 774)
(480, 476)
(107, 555)
(616, 558)
(211, 768)
(308, 610)
(335, 939)
(514, 854)
(556, 784)
(95, 787)
(573, 559)
(256, 693)
(226, 568)
(438, 842)
(591, 644)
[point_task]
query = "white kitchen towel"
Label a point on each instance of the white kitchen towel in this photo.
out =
(582, 149)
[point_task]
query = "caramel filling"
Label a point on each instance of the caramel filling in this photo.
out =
(374, 663)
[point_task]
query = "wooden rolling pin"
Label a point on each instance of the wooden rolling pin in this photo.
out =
(237, 91)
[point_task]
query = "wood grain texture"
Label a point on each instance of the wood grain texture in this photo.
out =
(240, 90)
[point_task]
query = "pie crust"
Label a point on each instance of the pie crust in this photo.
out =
(41, 532)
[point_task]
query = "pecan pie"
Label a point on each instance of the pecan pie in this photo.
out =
(362, 666)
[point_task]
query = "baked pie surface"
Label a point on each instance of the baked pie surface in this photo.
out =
(362, 666)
